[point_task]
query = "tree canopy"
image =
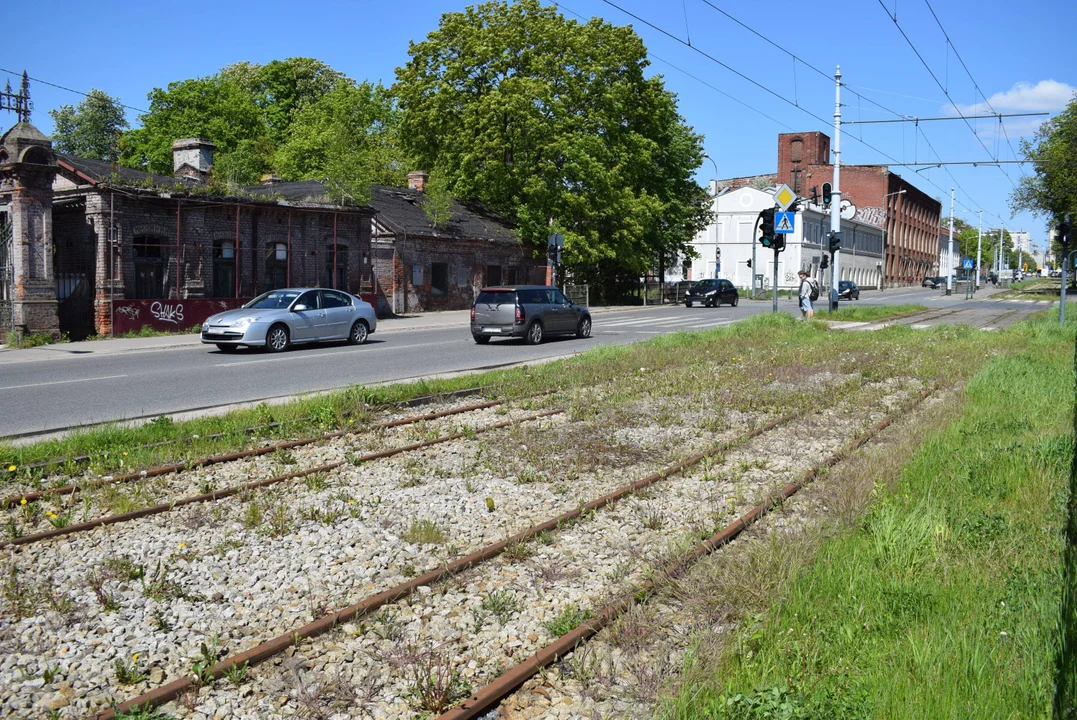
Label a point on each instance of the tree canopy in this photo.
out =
(297, 118)
(90, 130)
(1052, 188)
(553, 124)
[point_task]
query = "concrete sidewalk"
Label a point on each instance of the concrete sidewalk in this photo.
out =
(399, 323)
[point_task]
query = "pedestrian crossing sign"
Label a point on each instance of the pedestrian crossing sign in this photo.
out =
(968, 264)
(784, 222)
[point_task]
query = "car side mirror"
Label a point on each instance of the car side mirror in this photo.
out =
(300, 307)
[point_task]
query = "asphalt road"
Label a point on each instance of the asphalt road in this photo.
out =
(61, 388)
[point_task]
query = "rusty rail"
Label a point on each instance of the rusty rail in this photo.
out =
(166, 693)
(236, 489)
(492, 694)
(13, 500)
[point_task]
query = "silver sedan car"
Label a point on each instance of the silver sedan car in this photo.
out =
(279, 318)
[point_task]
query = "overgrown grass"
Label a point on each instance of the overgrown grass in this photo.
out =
(861, 313)
(943, 602)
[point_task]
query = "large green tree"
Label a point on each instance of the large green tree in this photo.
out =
(217, 108)
(554, 124)
(90, 130)
(1051, 190)
(346, 136)
(297, 118)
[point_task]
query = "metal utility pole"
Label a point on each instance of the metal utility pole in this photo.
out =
(835, 203)
(774, 283)
(979, 248)
(1063, 239)
(950, 250)
(755, 264)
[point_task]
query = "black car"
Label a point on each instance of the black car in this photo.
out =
(712, 293)
(848, 290)
(933, 282)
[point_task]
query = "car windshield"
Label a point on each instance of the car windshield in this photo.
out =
(273, 300)
(704, 285)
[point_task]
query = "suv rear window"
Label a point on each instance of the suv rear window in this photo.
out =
(533, 296)
(498, 297)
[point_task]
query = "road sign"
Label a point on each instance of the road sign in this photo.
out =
(556, 240)
(968, 264)
(784, 223)
(784, 196)
(848, 210)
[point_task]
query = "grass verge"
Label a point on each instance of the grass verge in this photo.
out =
(943, 600)
(862, 313)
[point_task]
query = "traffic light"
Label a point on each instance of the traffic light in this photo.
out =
(834, 239)
(827, 190)
(749, 262)
(778, 243)
(825, 263)
(554, 253)
(766, 228)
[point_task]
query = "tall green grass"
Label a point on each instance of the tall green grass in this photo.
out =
(944, 602)
(869, 312)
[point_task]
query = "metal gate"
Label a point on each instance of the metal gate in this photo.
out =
(74, 264)
(7, 317)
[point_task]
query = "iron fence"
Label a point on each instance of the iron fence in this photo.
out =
(578, 294)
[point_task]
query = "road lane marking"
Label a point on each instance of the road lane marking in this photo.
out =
(306, 356)
(62, 382)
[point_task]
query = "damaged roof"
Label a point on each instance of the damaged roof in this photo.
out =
(401, 209)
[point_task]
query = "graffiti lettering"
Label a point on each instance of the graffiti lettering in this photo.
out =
(167, 313)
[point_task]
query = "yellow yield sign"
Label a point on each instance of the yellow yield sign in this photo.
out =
(784, 196)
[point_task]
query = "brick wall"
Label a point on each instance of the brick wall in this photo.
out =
(466, 263)
(81, 240)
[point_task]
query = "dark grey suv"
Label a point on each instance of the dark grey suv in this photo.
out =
(528, 311)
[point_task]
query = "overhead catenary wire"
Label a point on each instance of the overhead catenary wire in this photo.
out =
(942, 87)
(67, 89)
(893, 161)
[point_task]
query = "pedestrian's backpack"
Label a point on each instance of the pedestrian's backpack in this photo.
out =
(814, 290)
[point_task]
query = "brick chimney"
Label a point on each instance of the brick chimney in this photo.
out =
(417, 179)
(192, 159)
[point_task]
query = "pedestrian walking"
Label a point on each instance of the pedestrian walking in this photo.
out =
(806, 290)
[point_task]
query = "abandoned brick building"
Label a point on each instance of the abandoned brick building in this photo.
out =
(89, 248)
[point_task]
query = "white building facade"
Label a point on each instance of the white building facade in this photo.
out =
(725, 246)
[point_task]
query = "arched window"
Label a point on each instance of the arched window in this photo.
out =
(276, 266)
(336, 267)
(224, 269)
(149, 267)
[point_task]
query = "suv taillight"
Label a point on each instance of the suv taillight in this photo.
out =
(473, 314)
(519, 314)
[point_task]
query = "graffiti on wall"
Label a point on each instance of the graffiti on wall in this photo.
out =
(871, 215)
(167, 315)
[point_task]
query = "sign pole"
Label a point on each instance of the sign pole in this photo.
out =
(835, 203)
(979, 249)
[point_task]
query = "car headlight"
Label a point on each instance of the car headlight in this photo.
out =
(243, 323)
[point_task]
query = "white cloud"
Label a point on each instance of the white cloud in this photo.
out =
(1045, 96)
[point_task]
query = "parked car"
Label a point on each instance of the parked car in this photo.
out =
(933, 282)
(848, 290)
(712, 293)
(291, 316)
(530, 312)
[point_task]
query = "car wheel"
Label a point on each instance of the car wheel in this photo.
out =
(688, 303)
(277, 339)
(481, 339)
(736, 299)
(584, 328)
(359, 333)
(227, 348)
(534, 334)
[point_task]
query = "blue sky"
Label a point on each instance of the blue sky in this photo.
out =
(1021, 55)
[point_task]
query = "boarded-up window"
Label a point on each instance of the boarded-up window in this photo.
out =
(462, 279)
(493, 274)
(439, 279)
(796, 150)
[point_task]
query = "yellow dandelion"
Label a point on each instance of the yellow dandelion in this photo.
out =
(135, 657)
(125, 453)
(23, 501)
(351, 502)
(11, 468)
(182, 545)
